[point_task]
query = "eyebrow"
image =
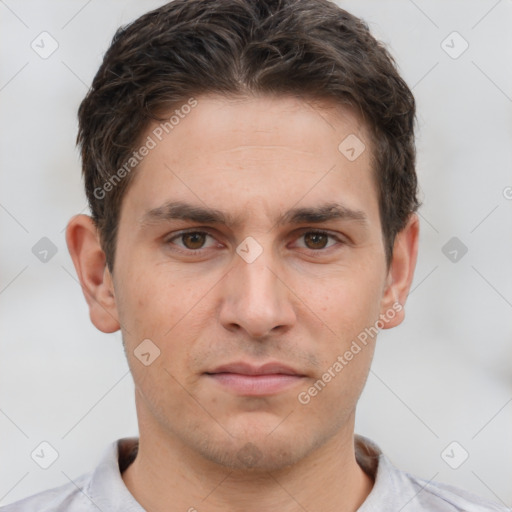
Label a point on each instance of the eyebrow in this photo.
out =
(179, 210)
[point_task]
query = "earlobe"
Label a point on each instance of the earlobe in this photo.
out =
(401, 273)
(90, 263)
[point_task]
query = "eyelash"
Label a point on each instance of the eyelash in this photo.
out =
(192, 252)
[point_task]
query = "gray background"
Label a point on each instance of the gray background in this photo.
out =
(444, 375)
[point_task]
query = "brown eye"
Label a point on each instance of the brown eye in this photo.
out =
(194, 240)
(192, 243)
(316, 240)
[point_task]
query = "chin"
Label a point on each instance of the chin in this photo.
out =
(252, 457)
(258, 453)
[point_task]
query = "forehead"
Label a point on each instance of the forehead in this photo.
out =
(267, 122)
(259, 151)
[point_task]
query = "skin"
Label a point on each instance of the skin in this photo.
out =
(301, 302)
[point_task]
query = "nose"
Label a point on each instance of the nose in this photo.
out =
(256, 298)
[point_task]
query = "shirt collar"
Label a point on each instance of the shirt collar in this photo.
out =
(107, 489)
(392, 488)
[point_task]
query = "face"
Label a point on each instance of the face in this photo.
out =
(250, 254)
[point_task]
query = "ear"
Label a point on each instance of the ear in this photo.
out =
(401, 273)
(89, 259)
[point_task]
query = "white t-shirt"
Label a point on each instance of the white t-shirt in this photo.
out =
(393, 491)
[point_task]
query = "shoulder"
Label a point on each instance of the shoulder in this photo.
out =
(102, 489)
(65, 498)
(396, 490)
(441, 497)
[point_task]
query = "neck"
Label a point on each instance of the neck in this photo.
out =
(167, 476)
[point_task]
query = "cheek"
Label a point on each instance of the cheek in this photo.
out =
(345, 349)
(150, 299)
(141, 303)
(164, 307)
(348, 307)
(346, 301)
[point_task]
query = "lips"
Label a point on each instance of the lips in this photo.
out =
(248, 379)
(242, 368)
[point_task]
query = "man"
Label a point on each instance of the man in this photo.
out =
(250, 172)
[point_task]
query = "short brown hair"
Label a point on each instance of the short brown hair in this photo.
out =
(309, 48)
